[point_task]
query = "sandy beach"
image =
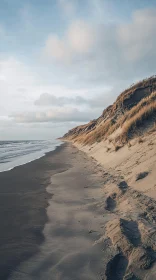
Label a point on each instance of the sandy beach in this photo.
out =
(23, 203)
(74, 224)
(70, 219)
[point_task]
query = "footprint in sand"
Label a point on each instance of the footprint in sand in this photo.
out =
(116, 267)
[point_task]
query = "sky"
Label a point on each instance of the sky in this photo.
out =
(63, 61)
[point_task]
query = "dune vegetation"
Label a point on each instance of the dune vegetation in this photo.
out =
(132, 114)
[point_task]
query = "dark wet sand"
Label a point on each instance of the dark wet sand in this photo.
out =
(64, 218)
(23, 203)
(64, 248)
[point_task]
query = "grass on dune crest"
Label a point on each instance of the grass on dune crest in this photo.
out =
(143, 103)
(129, 114)
(128, 122)
(131, 125)
(97, 135)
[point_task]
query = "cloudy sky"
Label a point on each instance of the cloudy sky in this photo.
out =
(63, 61)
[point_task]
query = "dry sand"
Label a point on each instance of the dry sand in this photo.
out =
(98, 226)
(129, 196)
(137, 157)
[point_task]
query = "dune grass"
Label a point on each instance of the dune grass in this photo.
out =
(129, 121)
(134, 117)
(96, 135)
(144, 102)
(137, 120)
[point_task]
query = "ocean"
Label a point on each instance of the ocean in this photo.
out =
(15, 153)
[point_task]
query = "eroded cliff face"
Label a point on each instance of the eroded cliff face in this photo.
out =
(128, 99)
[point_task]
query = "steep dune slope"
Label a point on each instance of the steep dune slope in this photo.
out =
(133, 112)
(123, 138)
(122, 142)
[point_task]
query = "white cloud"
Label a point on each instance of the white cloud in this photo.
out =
(80, 36)
(98, 101)
(56, 48)
(14, 70)
(68, 6)
(47, 99)
(77, 41)
(137, 38)
(18, 86)
(87, 55)
(66, 114)
(107, 53)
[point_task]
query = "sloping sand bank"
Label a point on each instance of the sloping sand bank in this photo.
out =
(138, 156)
(98, 228)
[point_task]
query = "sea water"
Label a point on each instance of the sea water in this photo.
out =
(15, 153)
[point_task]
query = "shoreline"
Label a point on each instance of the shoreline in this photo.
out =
(44, 154)
(23, 203)
(68, 231)
(93, 225)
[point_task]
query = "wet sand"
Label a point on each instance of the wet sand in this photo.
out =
(72, 220)
(73, 223)
(23, 203)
